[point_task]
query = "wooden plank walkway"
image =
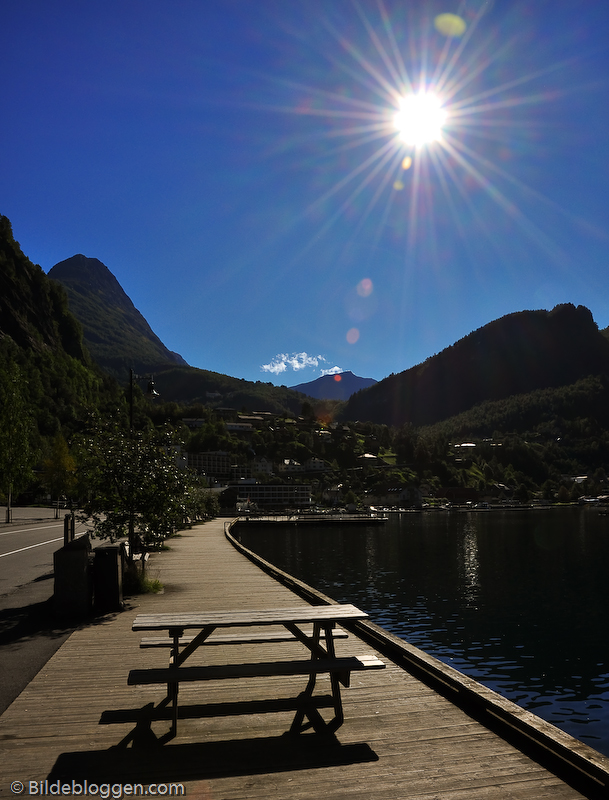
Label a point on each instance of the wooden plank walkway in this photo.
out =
(400, 740)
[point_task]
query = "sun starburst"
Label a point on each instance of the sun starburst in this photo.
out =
(419, 95)
(420, 119)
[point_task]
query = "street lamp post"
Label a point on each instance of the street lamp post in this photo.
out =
(150, 391)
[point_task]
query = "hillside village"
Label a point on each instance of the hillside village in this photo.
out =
(270, 462)
(276, 462)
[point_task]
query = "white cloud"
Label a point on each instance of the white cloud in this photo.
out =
(276, 366)
(332, 371)
(296, 361)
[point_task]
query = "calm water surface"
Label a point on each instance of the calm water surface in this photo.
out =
(516, 599)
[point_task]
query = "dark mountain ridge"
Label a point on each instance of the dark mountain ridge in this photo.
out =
(334, 387)
(516, 354)
(34, 311)
(116, 334)
(41, 346)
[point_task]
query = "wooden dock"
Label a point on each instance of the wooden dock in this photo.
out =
(402, 740)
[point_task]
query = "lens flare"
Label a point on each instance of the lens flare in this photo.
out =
(450, 25)
(352, 335)
(365, 287)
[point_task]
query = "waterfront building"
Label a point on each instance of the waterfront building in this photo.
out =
(276, 495)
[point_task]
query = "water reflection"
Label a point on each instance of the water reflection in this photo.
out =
(517, 600)
(469, 566)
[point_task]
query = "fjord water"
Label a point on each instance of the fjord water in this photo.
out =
(517, 599)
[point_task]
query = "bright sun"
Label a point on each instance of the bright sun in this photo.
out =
(420, 119)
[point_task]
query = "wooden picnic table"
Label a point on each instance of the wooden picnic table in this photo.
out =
(319, 641)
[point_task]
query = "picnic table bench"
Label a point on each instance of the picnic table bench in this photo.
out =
(319, 640)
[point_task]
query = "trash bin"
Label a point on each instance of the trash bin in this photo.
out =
(108, 578)
(73, 587)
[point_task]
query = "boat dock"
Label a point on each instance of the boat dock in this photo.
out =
(300, 518)
(416, 730)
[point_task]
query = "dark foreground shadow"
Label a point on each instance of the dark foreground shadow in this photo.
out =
(182, 762)
(144, 716)
(37, 618)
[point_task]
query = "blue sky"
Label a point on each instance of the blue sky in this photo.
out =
(236, 164)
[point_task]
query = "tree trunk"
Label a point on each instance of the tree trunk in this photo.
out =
(9, 510)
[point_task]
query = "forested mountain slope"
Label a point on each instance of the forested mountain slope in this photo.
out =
(515, 354)
(42, 355)
(117, 335)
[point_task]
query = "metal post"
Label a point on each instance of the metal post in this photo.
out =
(68, 529)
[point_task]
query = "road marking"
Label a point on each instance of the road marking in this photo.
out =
(12, 553)
(31, 546)
(26, 530)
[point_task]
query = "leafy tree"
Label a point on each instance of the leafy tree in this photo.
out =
(133, 485)
(350, 498)
(59, 470)
(307, 411)
(405, 442)
(199, 501)
(16, 434)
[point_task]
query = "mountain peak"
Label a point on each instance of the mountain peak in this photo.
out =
(115, 332)
(339, 386)
(84, 274)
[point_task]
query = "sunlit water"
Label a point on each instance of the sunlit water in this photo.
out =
(516, 599)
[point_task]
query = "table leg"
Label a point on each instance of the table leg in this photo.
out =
(305, 696)
(173, 687)
(175, 634)
(307, 708)
(339, 716)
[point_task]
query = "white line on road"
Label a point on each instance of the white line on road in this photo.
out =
(25, 530)
(12, 553)
(50, 541)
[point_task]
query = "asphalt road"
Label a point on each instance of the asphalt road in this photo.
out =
(29, 634)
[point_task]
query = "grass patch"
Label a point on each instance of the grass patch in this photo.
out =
(135, 581)
(150, 585)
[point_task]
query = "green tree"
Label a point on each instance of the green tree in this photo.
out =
(350, 498)
(404, 443)
(16, 434)
(307, 411)
(59, 470)
(199, 501)
(133, 485)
